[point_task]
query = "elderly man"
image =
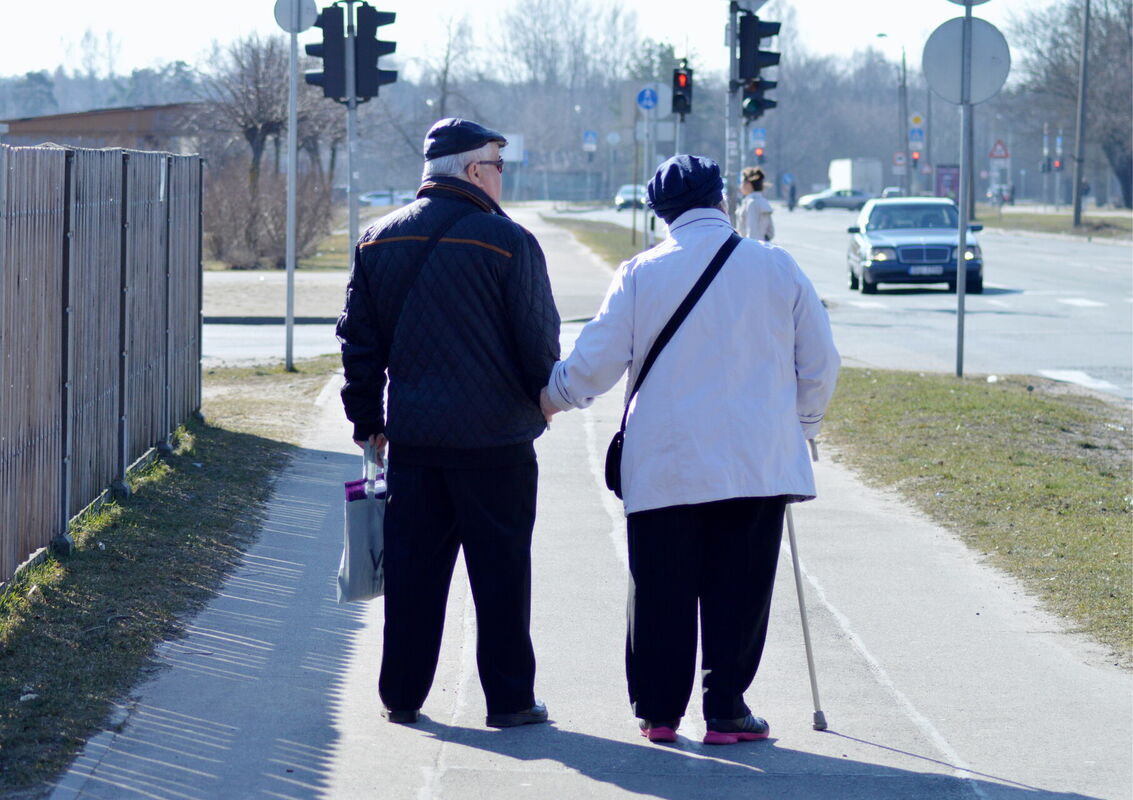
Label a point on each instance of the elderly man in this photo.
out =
(715, 444)
(450, 301)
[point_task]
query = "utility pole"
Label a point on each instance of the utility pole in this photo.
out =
(1080, 130)
(731, 112)
(903, 130)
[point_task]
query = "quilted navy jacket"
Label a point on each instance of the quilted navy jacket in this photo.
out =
(475, 340)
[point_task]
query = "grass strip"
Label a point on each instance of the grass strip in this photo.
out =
(1028, 474)
(1103, 227)
(77, 633)
(609, 241)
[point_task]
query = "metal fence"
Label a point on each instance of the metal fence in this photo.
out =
(100, 337)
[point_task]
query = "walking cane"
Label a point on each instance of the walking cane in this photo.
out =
(819, 717)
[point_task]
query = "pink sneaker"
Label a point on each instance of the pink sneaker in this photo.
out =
(731, 731)
(659, 731)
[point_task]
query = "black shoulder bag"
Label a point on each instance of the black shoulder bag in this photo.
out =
(614, 451)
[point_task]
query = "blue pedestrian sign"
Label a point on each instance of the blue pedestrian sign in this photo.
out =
(589, 141)
(916, 135)
(647, 98)
(758, 137)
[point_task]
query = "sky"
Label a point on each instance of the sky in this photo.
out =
(147, 34)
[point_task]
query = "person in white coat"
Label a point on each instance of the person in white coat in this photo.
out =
(754, 212)
(715, 445)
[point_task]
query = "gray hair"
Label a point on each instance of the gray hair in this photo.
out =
(453, 166)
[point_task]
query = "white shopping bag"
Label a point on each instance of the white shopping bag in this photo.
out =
(361, 572)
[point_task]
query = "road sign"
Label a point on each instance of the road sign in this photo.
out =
(916, 120)
(916, 135)
(758, 137)
(514, 151)
(295, 20)
(899, 159)
(589, 141)
(999, 150)
(991, 60)
(647, 98)
(613, 138)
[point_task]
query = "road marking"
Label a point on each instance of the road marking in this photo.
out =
(866, 304)
(1080, 378)
(1081, 302)
(999, 303)
(959, 766)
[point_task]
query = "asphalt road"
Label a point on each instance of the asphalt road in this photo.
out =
(1052, 306)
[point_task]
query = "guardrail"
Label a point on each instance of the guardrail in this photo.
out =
(100, 327)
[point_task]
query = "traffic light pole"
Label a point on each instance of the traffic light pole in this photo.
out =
(732, 113)
(351, 126)
(1080, 129)
(292, 167)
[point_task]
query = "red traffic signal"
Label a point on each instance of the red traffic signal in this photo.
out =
(682, 89)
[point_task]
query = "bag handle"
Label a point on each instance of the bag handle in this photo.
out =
(370, 466)
(679, 315)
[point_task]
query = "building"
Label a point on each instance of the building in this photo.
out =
(163, 128)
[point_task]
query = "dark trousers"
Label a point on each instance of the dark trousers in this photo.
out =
(431, 512)
(722, 557)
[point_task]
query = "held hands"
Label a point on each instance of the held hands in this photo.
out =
(548, 408)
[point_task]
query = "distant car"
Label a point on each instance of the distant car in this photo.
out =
(852, 199)
(392, 197)
(892, 191)
(629, 195)
(911, 240)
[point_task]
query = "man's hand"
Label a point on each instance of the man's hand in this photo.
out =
(378, 440)
(548, 408)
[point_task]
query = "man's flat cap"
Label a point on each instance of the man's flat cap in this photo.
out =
(685, 182)
(454, 135)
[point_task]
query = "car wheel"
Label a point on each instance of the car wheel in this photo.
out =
(868, 288)
(853, 281)
(819, 205)
(975, 287)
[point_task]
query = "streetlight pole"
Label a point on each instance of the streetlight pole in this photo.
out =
(903, 129)
(1080, 131)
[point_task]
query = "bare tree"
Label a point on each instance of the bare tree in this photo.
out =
(1050, 39)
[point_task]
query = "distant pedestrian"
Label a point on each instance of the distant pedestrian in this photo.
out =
(792, 196)
(753, 217)
(715, 445)
(449, 300)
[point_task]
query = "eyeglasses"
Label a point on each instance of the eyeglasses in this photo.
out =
(498, 164)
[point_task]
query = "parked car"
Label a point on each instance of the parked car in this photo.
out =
(628, 195)
(892, 191)
(911, 240)
(852, 199)
(390, 197)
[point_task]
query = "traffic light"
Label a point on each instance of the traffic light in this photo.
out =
(754, 103)
(752, 59)
(916, 157)
(759, 155)
(332, 50)
(1058, 164)
(368, 48)
(682, 89)
(1045, 164)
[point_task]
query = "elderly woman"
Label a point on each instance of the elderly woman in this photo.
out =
(753, 217)
(715, 445)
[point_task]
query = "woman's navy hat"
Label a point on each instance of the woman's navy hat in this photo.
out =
(454, 135)
(685, 182)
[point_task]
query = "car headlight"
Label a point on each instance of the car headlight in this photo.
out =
(970, 252)
(882, 254)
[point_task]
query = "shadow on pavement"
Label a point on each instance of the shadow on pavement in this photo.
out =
(689, 769)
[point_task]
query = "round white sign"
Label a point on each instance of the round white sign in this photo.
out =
(295, 16)
(991, 60)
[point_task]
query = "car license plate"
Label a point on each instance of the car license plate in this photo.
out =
(935, 270)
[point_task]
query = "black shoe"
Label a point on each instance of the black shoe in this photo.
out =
(532, 716)
(402, 717)
(730, 731)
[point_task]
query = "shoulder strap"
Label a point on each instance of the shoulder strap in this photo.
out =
(423, 256)
(679, 315)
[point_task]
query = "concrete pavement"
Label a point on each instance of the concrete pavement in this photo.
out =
(940, 677)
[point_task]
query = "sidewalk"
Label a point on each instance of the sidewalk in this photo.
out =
(939, 677)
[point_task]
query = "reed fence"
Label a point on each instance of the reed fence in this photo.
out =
(100, 327)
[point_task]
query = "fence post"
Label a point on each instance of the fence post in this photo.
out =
(200, 282)
(120, 487)
(62, 542)
(165, 446)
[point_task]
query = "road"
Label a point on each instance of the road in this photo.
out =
(1052, 306)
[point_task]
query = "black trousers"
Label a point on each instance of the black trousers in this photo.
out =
(431, 512)
(722, 557)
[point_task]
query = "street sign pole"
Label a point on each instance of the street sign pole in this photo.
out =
(292, 164)
(731, 113)
(965, 181)
(1080, 127)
